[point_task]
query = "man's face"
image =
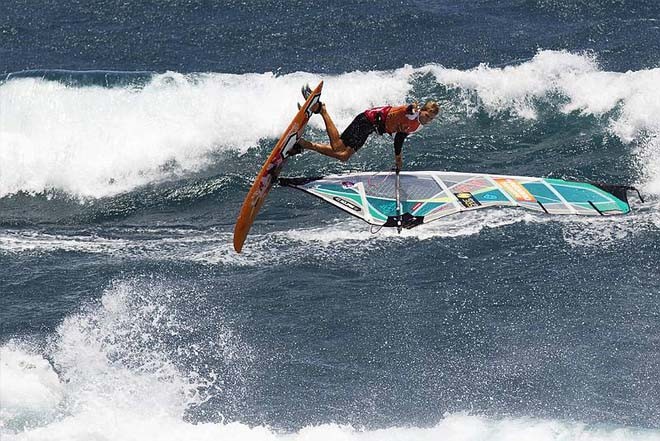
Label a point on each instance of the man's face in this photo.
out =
(426, 116)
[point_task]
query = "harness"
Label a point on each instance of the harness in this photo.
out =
(379, 124)
(407, 122)
(377, 116)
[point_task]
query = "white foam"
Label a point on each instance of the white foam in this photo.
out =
(631, 100)
(37, 242)
(119, 426)
(575, 77)
(94, 142)
(30, 391)
(648, 154)
(118, 380)
(466, 224)
(577, 231)
(515, 87)
(335, 238)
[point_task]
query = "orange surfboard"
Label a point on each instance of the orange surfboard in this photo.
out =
(271, 169)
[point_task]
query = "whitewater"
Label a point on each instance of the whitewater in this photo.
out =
(94, 142)
(117, 378)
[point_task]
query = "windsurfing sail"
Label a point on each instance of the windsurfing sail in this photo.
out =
(425, 196)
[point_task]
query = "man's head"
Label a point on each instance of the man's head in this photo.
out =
(428, 112)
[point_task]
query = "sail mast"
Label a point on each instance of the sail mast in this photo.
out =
(398, 201)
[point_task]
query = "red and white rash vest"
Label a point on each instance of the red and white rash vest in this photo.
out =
(399, 119)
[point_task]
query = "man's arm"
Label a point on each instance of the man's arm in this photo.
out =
(398, 145)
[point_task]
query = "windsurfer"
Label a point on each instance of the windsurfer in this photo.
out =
(396, 121)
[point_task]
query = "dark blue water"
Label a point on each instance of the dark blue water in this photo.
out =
(240, 37)
(130, 133)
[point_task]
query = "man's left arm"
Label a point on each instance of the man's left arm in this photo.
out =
(399, 137)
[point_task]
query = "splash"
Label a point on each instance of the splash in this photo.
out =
(118, 367)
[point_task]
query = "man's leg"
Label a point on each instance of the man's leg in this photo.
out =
(327, 150)
(336, 149)
(336, 142)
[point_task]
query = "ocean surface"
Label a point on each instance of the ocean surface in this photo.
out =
(130, 133)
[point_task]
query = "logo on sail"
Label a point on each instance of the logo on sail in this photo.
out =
(467, 199)
(347, 203)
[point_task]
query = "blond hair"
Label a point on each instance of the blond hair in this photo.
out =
(431, 106)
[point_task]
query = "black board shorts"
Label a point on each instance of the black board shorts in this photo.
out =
(357, 132)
